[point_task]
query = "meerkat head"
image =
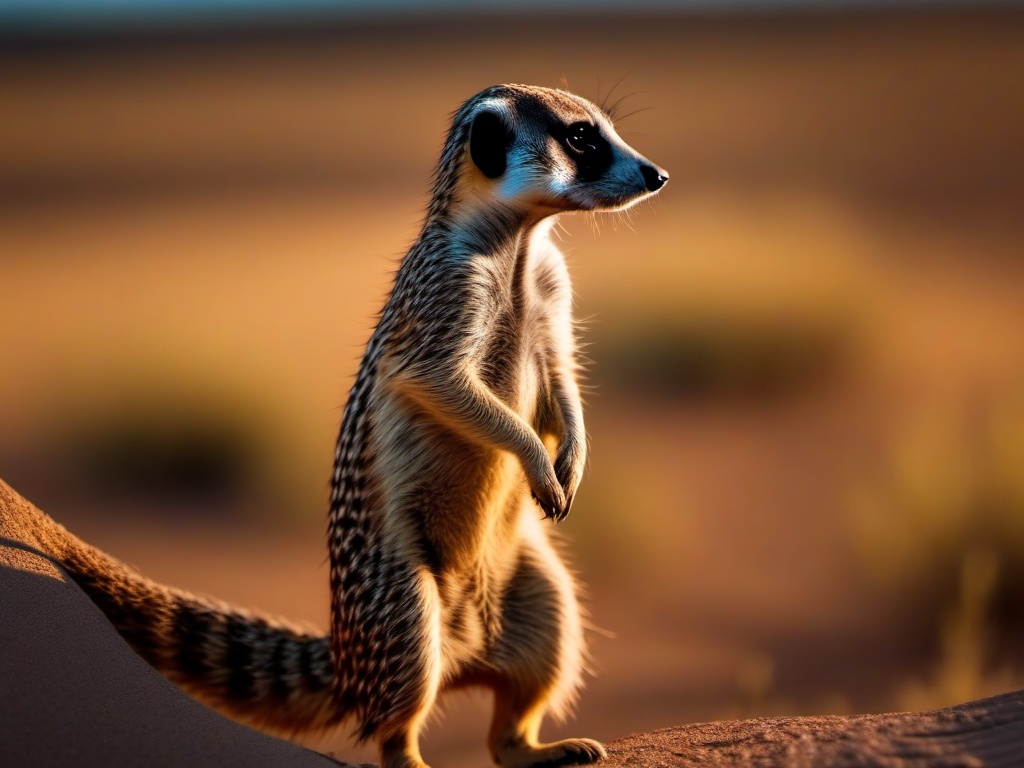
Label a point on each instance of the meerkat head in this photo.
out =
(549, 150)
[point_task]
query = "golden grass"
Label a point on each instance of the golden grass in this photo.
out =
(805, 162)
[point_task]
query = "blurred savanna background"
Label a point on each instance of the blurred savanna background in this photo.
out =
(806, 491)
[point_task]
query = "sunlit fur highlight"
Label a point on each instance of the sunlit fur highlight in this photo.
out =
(463, 427)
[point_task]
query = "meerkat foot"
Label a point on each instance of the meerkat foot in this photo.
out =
(402, 760)
(557, 753)
(401, 752)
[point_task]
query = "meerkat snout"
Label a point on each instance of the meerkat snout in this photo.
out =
(654, 177)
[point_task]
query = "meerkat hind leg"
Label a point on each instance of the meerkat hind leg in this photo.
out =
(538, 660)
(402, 749)
(514, 736)
(411, 687)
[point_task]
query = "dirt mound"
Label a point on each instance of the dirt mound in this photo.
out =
(989, 733)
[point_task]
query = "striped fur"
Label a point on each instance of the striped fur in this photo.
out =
(464, 426)
(257, 668)
(442, 573)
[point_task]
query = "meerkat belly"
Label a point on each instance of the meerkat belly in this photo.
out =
(456, 498)
(455, 505)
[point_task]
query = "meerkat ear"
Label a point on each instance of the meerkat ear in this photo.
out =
(489, 140)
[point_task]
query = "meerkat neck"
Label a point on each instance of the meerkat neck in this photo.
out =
(474, 223)
(494, 230)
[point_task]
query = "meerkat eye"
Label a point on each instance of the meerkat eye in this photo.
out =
(582, 138)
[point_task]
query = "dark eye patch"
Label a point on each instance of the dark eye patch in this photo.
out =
(586, 147)
(583, 138)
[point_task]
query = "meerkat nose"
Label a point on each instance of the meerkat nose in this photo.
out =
(654, 177)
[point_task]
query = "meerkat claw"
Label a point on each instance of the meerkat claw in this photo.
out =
(549, 513)
(537, 501)
(565, 510)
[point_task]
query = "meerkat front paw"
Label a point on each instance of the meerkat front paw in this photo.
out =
(569, 467)
(545, 487)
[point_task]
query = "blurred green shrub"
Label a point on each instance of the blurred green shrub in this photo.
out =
(700, 356)
(737, 297)
(964, 668)
(941, 529)
(170, 443)
(171, 448)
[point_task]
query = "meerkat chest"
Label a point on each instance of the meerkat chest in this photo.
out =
(515, 330)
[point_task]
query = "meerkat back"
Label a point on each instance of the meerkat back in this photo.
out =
(444, 488)
(442, 571)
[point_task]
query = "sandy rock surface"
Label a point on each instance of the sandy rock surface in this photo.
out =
(988, 733)
(72, 693)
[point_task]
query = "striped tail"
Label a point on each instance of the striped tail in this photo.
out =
(255, 668)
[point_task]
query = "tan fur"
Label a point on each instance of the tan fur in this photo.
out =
(468, 379)
(463, 428)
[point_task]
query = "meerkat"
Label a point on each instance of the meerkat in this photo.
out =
(464, 418)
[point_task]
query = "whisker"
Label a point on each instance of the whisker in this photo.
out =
(610, 110)
(635, 112)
